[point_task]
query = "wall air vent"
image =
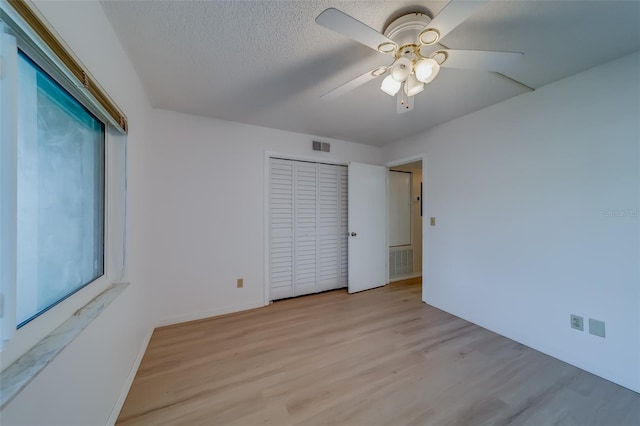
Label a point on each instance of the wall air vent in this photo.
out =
(321, 146)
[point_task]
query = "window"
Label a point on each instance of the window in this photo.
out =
(60, 193)
(63, 192)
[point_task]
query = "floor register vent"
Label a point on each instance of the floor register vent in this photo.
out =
(400, 261)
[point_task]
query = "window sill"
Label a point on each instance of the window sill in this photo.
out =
(19, 374)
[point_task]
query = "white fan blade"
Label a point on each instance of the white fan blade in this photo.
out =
(350, 85)
(480, 59)
(348, 26)
(454, 14)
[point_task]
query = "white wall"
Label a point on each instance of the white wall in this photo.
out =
(208, 210)
(521, 192)
(82, 385)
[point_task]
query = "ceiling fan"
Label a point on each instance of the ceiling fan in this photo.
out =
(414, 42)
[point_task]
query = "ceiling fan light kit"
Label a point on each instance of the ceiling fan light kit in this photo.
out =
(426, 69)
(401, 69)
(411, 39)
(390, 86)
(412, 86)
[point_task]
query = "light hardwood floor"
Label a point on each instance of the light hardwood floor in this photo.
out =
(376, 357)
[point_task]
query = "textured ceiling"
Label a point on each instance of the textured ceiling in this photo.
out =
(267, 62)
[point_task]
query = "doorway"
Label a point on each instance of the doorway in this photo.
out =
(406, 209)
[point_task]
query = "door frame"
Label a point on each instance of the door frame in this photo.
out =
(425, 222)
(266, 294)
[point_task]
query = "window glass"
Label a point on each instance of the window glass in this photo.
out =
(60, 196)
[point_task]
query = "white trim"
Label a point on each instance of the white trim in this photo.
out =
(208, 314)
(425, 222)
(8, 185)
(386, 223)
(19, 374)
(266, 194)
(297, 157)
(117, 407)
(406, 277)
(412, 159)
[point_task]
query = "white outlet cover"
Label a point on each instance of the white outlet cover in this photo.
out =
(577, 322)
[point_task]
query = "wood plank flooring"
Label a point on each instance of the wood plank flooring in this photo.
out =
(380, 357)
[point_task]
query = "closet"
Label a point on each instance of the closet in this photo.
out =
(307, 227)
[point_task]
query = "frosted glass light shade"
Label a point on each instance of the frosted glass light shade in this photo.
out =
(426, 70)
(401, 69)
(390, 86)
(412, 87)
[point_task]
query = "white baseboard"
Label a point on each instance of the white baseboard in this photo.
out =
(405, 277)
(207, 314)
(115, 412)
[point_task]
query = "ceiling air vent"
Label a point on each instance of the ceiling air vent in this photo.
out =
(321, 146)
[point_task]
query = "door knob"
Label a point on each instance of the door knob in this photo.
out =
(353, 234)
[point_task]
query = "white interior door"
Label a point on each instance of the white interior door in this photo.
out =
(367, 226)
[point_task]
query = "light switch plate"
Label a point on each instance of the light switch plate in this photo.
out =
(433, 221)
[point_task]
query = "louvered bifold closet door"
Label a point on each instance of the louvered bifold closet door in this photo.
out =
(308, 228)
(305, 228)
(344, 225)
(281, 215)
(328, 227)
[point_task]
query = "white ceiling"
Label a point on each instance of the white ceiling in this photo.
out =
(267, 62)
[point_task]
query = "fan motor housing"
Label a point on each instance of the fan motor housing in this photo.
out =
(405, 30)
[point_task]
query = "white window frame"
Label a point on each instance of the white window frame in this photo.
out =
(37, 329)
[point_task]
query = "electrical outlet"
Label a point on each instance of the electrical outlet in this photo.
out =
(596, 327)
(240, 282)
(577, 322)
